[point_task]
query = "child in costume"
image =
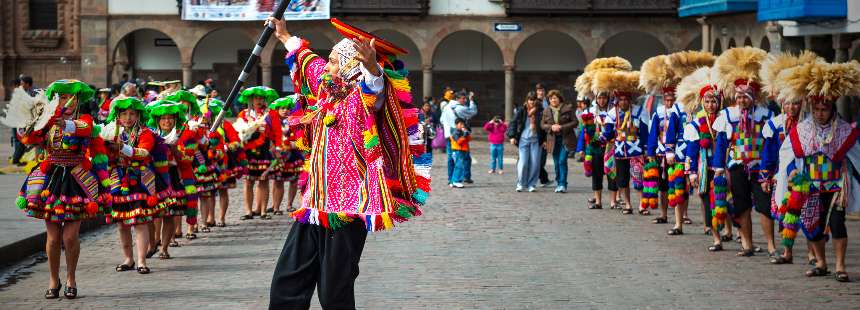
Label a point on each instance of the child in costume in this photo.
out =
(739, 143)
(288, 159)
(64, 188)
(814, 156)
(208, 161)
(660, 76)
(260, 130)
(167, 120)
(367, 168)
(775, 131)
(137, 189)
(232, 162)
(626, 126)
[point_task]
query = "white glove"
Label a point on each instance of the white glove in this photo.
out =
(193, 125)
(109, 131)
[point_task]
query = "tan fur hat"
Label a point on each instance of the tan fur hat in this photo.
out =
(737, 71)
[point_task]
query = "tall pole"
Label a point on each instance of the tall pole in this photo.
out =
(249, 65)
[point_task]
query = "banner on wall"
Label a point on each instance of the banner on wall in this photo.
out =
(244, 10)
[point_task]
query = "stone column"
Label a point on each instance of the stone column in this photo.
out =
(706, 33)
(187, 74)
(509, 92)
(266, 71)
(94, 42)
(427, 79)
(841, 44)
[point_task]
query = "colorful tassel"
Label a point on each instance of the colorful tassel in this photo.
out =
(796, 197)
(677, 185)
(719, 202)
(650, 184)
(371, 138)
(21, 202)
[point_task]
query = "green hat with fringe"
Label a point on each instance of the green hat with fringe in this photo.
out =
(288, 102)
(163, 107)
(125, 104)
(266, 93)
(184, 95)
(72, 87)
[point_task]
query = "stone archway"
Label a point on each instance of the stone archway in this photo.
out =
(718, 47)
(748, 42)
(471, 60)
(146, 53)
(634, 46)
(552, 58)
(695, 44)
(320, 43)
(764, 44)
(220, 55)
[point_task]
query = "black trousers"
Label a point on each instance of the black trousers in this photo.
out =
(317, 257)
(747, 192)
(597, 171)
(706, 198)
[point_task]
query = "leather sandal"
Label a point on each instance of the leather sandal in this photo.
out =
(817, 272)
(53, 293)
(746, 253)
(716, 247)
(70, 292)
(675, 232)
(660, 220)
(842, 276)
(781, 260)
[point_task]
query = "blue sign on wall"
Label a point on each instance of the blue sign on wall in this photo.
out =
(508, 27)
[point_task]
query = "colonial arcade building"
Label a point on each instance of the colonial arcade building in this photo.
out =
(497, 48)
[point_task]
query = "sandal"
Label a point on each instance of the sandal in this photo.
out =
(173, 244)
(781, 260)
(817, 272)
(595, 206)
(644, 212)
(255, 213)
(152, 252)
(687, 221)
(592, 200)
(212, 224)
(221, 224)
(627, 211)
(70, 292)
(205, 229)
(707, 231)
(190, 236)
(716, 247)
(842, 276)
(270, 210)
(660, 220)
(746, 253)
(53, 293)
(164, 255)
(247, 217)
(278, 212)
(726, 238)
(124, 267)
(812, 262)
(143, 270)
(265, 217)
(675, 232)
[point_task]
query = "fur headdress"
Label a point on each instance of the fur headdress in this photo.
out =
(656, 76)
(614, 63)
(694, 87)
(777, 63)
(584, 84)
(737, 71)
(685, 63)
(619, 83)
(819, 81)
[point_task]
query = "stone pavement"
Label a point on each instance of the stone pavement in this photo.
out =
(480, 247)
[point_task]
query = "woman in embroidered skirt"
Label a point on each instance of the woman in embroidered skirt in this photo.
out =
(64, 188)
(135, 188)
(209, 156)
(166, 120)
(288, 159)
(190, 145)
(260, 131)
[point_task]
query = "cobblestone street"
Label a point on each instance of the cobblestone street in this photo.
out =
(485, 246)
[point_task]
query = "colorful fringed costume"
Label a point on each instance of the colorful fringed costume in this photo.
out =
(137, 188)
(67, 184)
(367, 160)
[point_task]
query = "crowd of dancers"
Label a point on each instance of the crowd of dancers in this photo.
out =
(145, 164)
(743, 131)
